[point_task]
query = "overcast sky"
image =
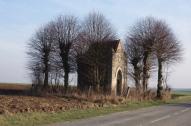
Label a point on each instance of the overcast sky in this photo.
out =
(20, 18)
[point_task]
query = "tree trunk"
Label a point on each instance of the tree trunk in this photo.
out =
(137, 77)
(79, 86)
(145, 72)
(46, 79)
(46, 72)
(160, 76)
(66, 78)
(97, 80)
(66, 73)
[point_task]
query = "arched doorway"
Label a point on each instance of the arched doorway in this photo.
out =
(119, 83)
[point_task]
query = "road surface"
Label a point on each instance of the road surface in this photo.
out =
(165, 115)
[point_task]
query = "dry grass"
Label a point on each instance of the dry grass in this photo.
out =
(99, 98)
(135, 95)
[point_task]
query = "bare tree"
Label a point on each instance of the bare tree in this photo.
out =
(135, 58)
(96, 30)
(167, 50)
(157, 42)
(142, 35)
(40, 51)
(66, 33)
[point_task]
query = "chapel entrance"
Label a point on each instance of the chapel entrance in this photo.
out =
(119, 83)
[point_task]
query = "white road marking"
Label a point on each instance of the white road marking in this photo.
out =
(176, 113)
(128, 119)
(143, 115)
(168, 116)
(117, 122)
(162, 118)
(181, 111)
(185, 110)
(150, 113)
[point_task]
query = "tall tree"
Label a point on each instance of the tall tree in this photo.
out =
(167, 50)
(40, 51)
(66, 33)
(96, 30)
(142, 34)
(157, 41)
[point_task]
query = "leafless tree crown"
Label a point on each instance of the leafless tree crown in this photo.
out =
(149, 43)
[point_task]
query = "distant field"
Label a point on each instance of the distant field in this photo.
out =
(14, 86)
(182, 91)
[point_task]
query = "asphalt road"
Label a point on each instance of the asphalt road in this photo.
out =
(165, 115)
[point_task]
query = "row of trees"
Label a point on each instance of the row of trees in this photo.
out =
(151, 44)
(57, 47)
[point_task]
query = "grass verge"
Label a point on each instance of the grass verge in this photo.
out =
(37, 118)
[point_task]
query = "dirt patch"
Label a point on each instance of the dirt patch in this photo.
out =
(20, 104)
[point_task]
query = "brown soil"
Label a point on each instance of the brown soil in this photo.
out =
(20, 104)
